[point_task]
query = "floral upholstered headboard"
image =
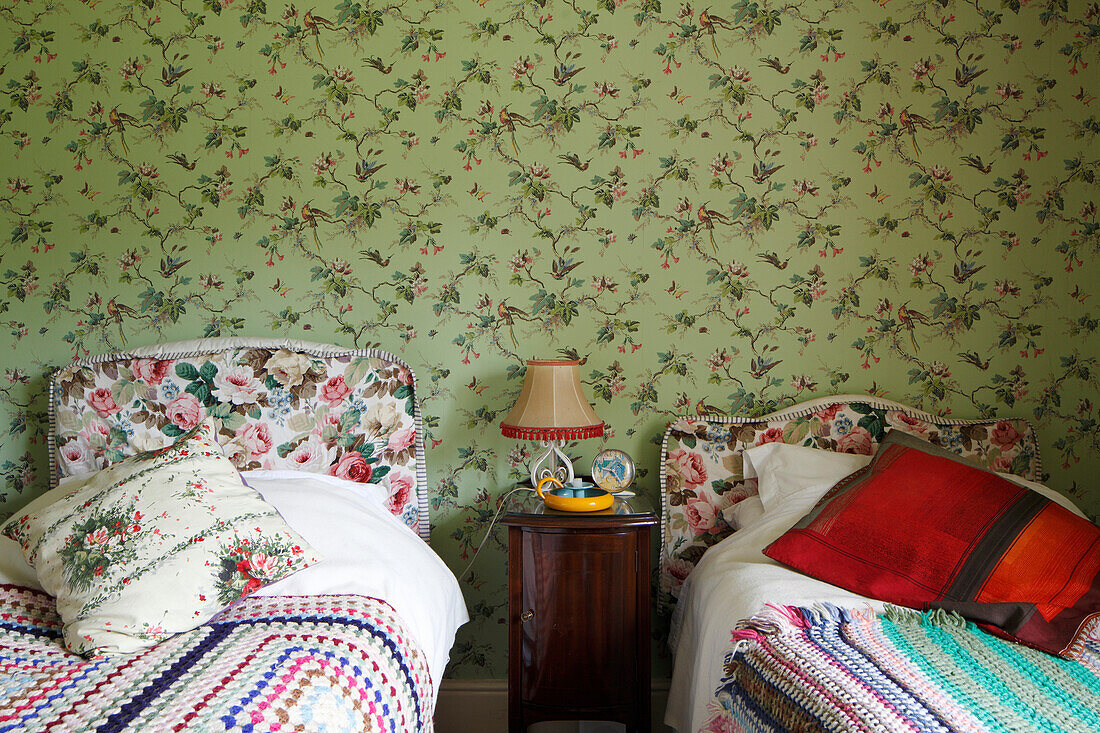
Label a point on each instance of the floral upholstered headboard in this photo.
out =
(702, 469)
(282, 405)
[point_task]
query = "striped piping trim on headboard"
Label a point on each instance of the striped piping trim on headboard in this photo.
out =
(804, 409)
(186, 349)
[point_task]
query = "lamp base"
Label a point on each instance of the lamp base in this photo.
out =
(557, 463)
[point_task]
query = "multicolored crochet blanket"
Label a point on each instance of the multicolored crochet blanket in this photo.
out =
(342, 663)
(828, 669)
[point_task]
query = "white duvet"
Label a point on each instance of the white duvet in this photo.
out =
(366, 551)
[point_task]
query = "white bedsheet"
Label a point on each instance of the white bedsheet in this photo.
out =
(733, 581)
(366, 551)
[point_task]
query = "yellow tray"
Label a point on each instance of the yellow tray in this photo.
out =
(593, 500)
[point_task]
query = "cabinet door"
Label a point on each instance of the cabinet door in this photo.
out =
(579, 644)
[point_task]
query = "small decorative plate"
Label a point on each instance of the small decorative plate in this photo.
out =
(613, 470)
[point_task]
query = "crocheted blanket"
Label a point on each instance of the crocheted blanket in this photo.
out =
(829, 669)
(343, 663)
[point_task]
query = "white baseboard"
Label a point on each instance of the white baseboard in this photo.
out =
(481, 706)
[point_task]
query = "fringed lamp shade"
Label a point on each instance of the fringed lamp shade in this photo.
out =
(551, 405)
(552, 408)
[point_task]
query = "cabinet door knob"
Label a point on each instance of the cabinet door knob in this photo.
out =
(526, 616)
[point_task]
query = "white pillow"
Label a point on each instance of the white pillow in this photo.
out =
(786, 471)
(744, 513)
(153, 545)
(14, 568)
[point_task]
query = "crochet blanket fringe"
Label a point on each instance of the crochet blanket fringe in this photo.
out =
(825, 668)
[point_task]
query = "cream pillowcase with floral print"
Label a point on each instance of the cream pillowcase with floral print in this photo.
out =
(154, 545)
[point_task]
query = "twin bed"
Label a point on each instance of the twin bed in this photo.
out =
(340, 619)
(759, 646)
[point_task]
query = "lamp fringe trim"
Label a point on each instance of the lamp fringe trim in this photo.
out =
(523, 433)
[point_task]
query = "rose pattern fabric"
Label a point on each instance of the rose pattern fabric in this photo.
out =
(288, 368)
(106, 538)
(102, 402)
(687, 472)
(236, 384)
(353, 467)
(334, 391)
(249, 564)
(857, 441)
(154, 544)
(350, 417)
(702, 517)
(702, 472)
(311, 455)
(771, 435)
(1004, 436)
(402, 486)
(185, 412)
(150, 371)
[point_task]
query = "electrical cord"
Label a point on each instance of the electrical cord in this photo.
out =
(496, 516)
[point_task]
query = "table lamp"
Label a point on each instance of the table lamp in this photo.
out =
(551, 408)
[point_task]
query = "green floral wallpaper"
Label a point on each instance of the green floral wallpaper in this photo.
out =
(720, 209)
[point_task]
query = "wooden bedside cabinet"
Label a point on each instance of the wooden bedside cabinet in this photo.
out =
(578, 613)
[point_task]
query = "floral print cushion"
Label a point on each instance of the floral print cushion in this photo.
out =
(154, 545)
(349, 414)
(702, 472)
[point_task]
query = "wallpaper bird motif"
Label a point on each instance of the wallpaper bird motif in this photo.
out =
(718, 208)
